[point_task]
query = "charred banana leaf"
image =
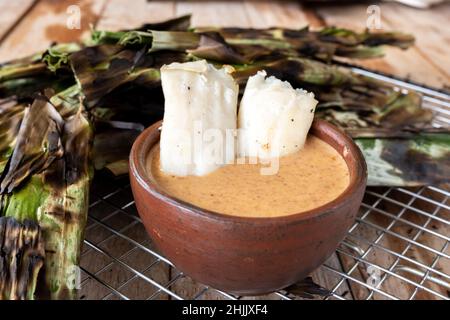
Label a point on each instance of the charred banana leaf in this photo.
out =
(239, 45)
(422, 159)
(65, 209)
(307, 289)
(205, 45)
(43, 125)
(27, 76)
(360, 105)
(11, 114)
(101, 69)
(324, 44)
(181, 23)
(50, 185)
(22, 248)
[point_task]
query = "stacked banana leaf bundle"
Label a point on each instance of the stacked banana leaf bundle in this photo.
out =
(79, 106)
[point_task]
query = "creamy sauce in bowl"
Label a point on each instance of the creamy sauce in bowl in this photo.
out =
(307, 179)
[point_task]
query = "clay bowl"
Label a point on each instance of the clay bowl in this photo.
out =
(241, 255)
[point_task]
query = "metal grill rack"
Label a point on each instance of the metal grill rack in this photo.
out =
(398, 247)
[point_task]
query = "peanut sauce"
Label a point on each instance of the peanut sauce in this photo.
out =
(307, 179)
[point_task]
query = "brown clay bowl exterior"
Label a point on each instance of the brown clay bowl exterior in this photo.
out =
(241, 255)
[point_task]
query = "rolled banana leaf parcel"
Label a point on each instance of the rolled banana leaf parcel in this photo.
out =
(60, 108)
(45, 185)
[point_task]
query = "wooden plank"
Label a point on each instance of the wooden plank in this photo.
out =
(11, 12)
(264, 14)
(122, 14)
(432, 41)
(217, 13)
(46, 23)
(417, 62)
(255, 14)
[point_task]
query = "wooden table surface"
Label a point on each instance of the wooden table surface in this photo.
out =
(27, 26)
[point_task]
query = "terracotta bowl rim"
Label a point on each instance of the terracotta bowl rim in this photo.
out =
(137, 168)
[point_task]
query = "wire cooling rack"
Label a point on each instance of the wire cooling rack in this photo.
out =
(398, 247)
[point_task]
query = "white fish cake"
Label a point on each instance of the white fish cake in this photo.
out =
(274, 118)
(200, 108)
